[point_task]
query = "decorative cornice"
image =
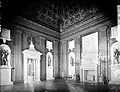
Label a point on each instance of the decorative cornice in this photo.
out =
(36, 27)
(96, 20)
(30, 31)
(78, 13)
(84, 22)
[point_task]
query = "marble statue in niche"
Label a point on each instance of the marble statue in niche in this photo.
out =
(4, 54)
(3, 57)
(30, 67)
(72, 61)
(49, 60)
(117, 56)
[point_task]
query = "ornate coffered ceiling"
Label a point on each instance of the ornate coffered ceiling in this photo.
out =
(55, 14)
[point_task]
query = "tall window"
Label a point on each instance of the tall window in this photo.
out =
(90, 48)
(118, 18)
(49, 45)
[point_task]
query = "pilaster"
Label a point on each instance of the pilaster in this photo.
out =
(64, 56)
(56, 59)
(77, 54)
(42, 48)
(18, 65)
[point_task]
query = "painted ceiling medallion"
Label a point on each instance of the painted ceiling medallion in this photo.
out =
(71, 13)
(53, 23)
(67, 23)
(83, 14)
(42, 18)
(76, 9)
(48, 20)
(72, 20)
(77, 17)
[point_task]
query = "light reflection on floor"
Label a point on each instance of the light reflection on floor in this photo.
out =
(59, 86)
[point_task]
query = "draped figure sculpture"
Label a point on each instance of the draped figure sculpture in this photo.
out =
(117, 55)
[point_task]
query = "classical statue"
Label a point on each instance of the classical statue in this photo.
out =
(72, 61)
(117, 55)
(3, 57)
(49, 60)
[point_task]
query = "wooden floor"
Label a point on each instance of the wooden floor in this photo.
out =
(59, 86)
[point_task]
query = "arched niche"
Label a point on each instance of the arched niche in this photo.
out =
(115, 63)
(115, 53)
(49, 66)
(71, 64)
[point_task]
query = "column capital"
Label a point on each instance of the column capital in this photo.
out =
(64, 41)
(56, 42)
(19, 31)
(77, 38)
(104, 28)
(41, 37)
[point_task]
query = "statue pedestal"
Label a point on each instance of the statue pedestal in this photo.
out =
(5, 75)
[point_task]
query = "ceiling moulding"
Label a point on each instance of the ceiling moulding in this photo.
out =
(95, 21)
(41, 12)
(85, 31)
(85, 23)
(23, 22)
(78, 13)
(33, 31)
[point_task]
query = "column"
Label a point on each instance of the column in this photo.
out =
(61, 60)
(18, 64)
(64, 58)
(103, 52)
(42, 47)
(77, 55)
